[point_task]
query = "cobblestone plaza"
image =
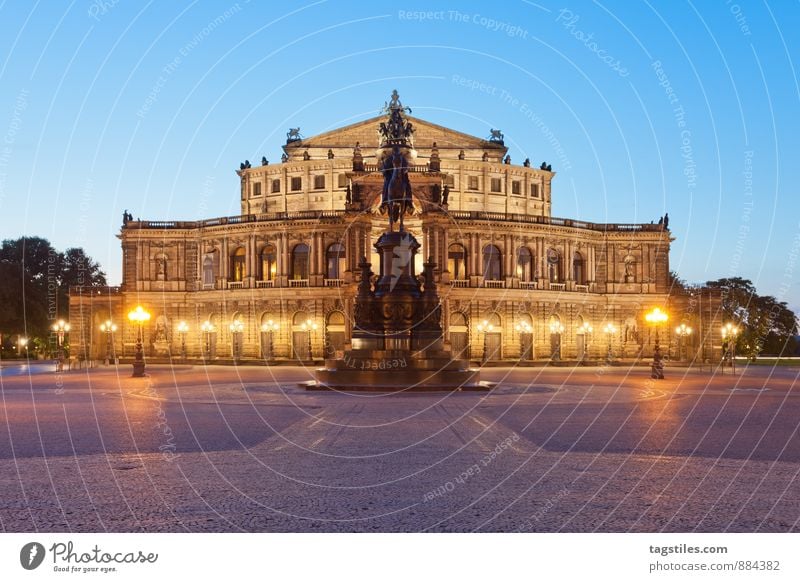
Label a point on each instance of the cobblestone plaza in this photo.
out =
(553, 449)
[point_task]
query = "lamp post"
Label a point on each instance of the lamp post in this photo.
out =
(556, 329)
(207, 328)
(269, 328)
(108, 328)
(485, 328)
(183, 329)
(309, 326)
(139, 316)
(236, 327)
(683, 331)
(609, 329)
(522, 327)
(61, 327)
(655, 318)
(729, 334)
(586, 329)
(23, 345)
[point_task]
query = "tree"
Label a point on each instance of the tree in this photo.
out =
(34, 284)
(766, 325)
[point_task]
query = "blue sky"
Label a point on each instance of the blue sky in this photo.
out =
(641, 108)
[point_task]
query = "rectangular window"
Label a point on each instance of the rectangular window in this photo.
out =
(515, 187)
(496, 185)
(276, 186)
(257, 189)
(342, 181)
(297, 184)
(319, 182)
(534, 190)
(473, 183)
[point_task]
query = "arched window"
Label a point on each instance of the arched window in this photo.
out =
(300, 261)
(456, 261)
(492, 263)
(524, 264)
(553, 266)
(269, 263)
(578, 271)
(335, 261)
(237, 264)
(209, 269)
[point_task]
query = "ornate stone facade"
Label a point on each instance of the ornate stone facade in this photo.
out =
(291, 258)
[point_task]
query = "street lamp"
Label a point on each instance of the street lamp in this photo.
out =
(522, 327)
(309, 326)
(183, 329)
(556, 329)
(683, 331)
(236, 327)
(729, 334)
(108, 328)
(269, 328)
(655, 318)
(23, 344)
(485, 328)
(60, 327)
(585, 329)
(207, 328)
(139, 316)
(609, 329)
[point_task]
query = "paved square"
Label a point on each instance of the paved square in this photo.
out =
(551, 449)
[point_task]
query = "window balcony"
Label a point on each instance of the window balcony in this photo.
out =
(459, 283)
(235, 284)
(334, 282)
(298, 282)
(265, 284)
(494, 284)
(582, 288)
(527, 284)
(558, 286)
(208, 286)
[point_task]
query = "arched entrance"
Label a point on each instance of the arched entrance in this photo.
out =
(300, 336)
(334, 334)
(459, 334)
(525, 330)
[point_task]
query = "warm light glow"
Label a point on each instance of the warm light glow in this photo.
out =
(236, 326)
(656, 316)
(523, 327)
(61, 325)
(139, 315)
(23, 341)
(485, 326)
(183, 327)
(610, 328)
(207, 327)
(586, 327)
(269, 326)
(309, 325)
(108, 326)
(556, 327)
(683, 329)
(729, 330)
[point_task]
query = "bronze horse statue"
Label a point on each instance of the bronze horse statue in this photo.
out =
(396, 198)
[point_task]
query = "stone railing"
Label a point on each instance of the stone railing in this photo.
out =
(298, 282)
(558, 286)
(85, 291)
(334, 282)
(552, 220)
(264, 284)
(494, 284)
